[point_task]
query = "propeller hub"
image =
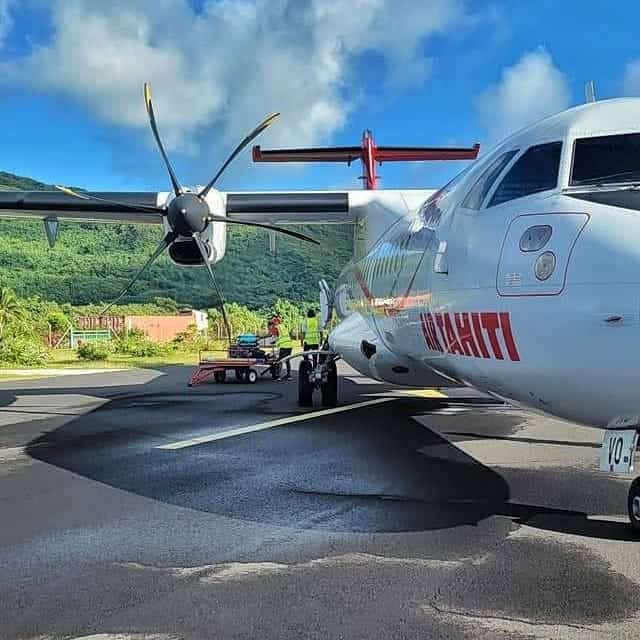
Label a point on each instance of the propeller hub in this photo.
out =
(187, 214)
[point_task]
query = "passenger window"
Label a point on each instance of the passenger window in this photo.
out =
(368, 269)
(483, 184)
(537, 170)
(414, 245)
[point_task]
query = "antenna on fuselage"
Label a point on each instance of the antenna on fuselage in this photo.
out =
(590, 91)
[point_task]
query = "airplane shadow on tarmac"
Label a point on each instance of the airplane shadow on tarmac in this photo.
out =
(370, 470)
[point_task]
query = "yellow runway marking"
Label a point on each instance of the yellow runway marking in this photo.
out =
(423, 393)
(409, 393)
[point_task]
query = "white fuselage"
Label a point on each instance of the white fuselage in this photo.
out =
(452, 286)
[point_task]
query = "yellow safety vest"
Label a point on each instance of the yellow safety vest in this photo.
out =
(284, 340)
(312, 331)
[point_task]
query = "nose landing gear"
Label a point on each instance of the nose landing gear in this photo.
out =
(319, 374)
(323, 376)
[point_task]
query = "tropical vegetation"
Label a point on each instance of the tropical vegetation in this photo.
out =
(30, 328)
(91, 263)
(44, 290)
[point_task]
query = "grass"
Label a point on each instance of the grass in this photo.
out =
(68, 359)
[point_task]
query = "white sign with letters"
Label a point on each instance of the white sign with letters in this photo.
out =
(616, 452)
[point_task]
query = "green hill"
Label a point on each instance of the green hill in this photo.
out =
(92, 262)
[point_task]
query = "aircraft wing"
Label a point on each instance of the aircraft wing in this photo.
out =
(111, 206)
(56, 204)
(271, 207)
(306, 207)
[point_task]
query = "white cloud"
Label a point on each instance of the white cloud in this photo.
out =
(6, 21)
(631, 82)
(528, 91)
(222, 69)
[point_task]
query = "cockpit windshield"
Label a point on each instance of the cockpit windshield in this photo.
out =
(606, 159)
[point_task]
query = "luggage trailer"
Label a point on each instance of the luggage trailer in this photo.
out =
(244, 369)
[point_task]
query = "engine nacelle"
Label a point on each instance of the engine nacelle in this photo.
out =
(184, 251)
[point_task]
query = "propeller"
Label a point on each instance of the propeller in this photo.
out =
(243, 143)
(148, 103)
(214, 282)
(260, 225)
(164, 243)
(187, 214)
(89, 196)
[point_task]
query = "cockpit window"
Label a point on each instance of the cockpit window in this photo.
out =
(536, 170)
(606, 159)
(483, 184)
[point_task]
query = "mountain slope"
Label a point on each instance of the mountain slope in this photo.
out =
(92, 262)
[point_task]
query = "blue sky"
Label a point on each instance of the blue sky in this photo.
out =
(415, 72)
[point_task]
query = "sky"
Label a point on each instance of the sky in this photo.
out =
(415, 72)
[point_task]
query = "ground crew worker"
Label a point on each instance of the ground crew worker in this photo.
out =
(285, 346)
(311, 334)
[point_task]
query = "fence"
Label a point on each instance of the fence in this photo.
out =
(81, 336)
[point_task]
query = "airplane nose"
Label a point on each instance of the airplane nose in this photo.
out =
(607, 251)
(596, 320)
(574, 300)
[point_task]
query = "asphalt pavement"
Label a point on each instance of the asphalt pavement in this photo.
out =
(134, 507)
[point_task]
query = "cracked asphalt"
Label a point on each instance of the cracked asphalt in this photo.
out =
(415, 517)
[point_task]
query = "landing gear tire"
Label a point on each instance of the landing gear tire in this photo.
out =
(251, 376)
(329, 389)
(220, 376)
(305, 386)
(633, 503)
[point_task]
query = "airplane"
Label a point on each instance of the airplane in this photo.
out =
(520, 277)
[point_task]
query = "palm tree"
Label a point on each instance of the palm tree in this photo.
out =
(10, 308)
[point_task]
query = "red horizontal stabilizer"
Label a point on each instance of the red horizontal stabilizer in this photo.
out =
(413, 154)
(326, 154)
(370, 155)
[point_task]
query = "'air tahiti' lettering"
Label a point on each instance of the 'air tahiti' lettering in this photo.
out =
(470, 334)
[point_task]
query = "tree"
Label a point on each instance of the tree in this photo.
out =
(291, 315)
(241, 320)
(11, 309)
(92, 263)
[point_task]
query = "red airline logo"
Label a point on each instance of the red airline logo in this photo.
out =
(470, 334)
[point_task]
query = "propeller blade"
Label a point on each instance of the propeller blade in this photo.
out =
(249, 223)
(214, 282)
(92, 198)
(164, 243)
(177, 189)
(245, 141)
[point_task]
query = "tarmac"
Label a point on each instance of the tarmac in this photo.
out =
(134, 507)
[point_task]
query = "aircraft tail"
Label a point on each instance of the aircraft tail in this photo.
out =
(368, 153)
